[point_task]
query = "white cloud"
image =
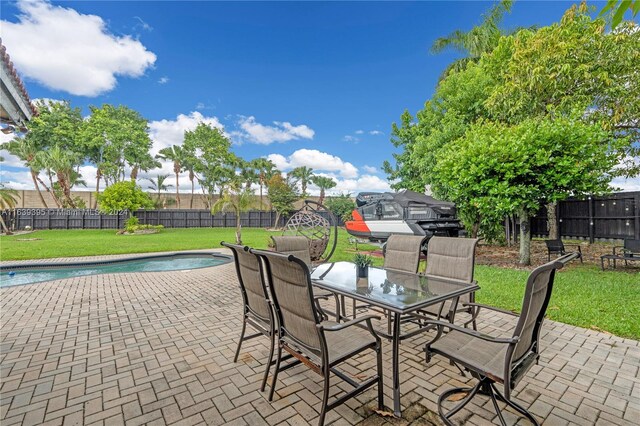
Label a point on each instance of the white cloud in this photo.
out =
(370, 169)
(69, 51)
(317, 160)
(163, 80)
(625, 185)
(375, 132)
(363, 183)
(165, 133)
(200, 105)
(252, 131)
(349, 138)
(359, 132)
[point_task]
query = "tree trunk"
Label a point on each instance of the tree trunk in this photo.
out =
(261, 205)
(552, 221)
(66, 190)
(98, 177)
(177, 191)
(134, 173)
(525, 238)
(475, 229)
(321, 196)
(35, 183)
(238, 229)
(4, 226)
(275, 224)
(53, 194)
(193, 188)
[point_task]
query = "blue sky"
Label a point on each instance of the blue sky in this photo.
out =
(314, 84)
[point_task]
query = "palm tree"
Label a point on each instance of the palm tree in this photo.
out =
(303, 175)
(157, 186)
(480, 39)
(26, 151)
(323, 183)
(63, 164)
(248, 174)
(265, 169)
(7, 202)
(236, 199)
(178, 155)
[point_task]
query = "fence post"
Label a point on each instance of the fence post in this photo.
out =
(592, 224)
(636, 213)
(83, 212)
(48, 219)
(33, 221)
(100, 221)
(67, 220)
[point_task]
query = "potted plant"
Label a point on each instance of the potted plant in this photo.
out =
(362, 261)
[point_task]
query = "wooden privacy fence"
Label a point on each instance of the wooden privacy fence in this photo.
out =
(614, 216)
(93, 219)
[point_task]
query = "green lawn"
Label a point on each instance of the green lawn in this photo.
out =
(583, 295)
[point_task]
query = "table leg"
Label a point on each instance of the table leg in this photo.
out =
(395, 361)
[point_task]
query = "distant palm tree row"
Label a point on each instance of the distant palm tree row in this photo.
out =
(116, 139)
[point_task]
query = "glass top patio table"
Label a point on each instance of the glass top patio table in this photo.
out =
(399, 292)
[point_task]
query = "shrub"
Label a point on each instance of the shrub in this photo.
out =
(341, 206)
(121, 196)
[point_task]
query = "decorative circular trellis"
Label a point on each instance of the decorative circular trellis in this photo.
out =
(315, 222)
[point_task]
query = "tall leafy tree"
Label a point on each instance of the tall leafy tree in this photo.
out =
(323, 183)
(574, 65)
(618, 8)
(302, 174)
(115, 137)
(498, 169)
(208, 150)
(178, 156)
(158, 185)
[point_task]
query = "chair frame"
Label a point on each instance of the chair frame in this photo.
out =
(514, 370)
(559, 247)
(251, 317)
(629, 252)
(298, 348)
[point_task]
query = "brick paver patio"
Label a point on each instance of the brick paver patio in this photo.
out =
(157, 348)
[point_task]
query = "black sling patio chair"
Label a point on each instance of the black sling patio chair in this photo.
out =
(320, 345)
(492, 360)
(298, 246)
(558, 247)
(256, 307)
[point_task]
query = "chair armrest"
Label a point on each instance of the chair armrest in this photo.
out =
(321, 297)
(467, 331)
(354, 321)
(617, 247)
(492, 308)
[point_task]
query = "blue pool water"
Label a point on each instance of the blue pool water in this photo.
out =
(37, 273)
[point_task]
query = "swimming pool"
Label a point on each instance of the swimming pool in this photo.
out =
(12, 275)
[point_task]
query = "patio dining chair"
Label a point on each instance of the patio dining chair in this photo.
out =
(402, 252)
(452, 258)
(256, 307)
(320, 345)
(497, 361)
(298, 246)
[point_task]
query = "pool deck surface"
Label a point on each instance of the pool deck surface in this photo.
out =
(157, 348)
